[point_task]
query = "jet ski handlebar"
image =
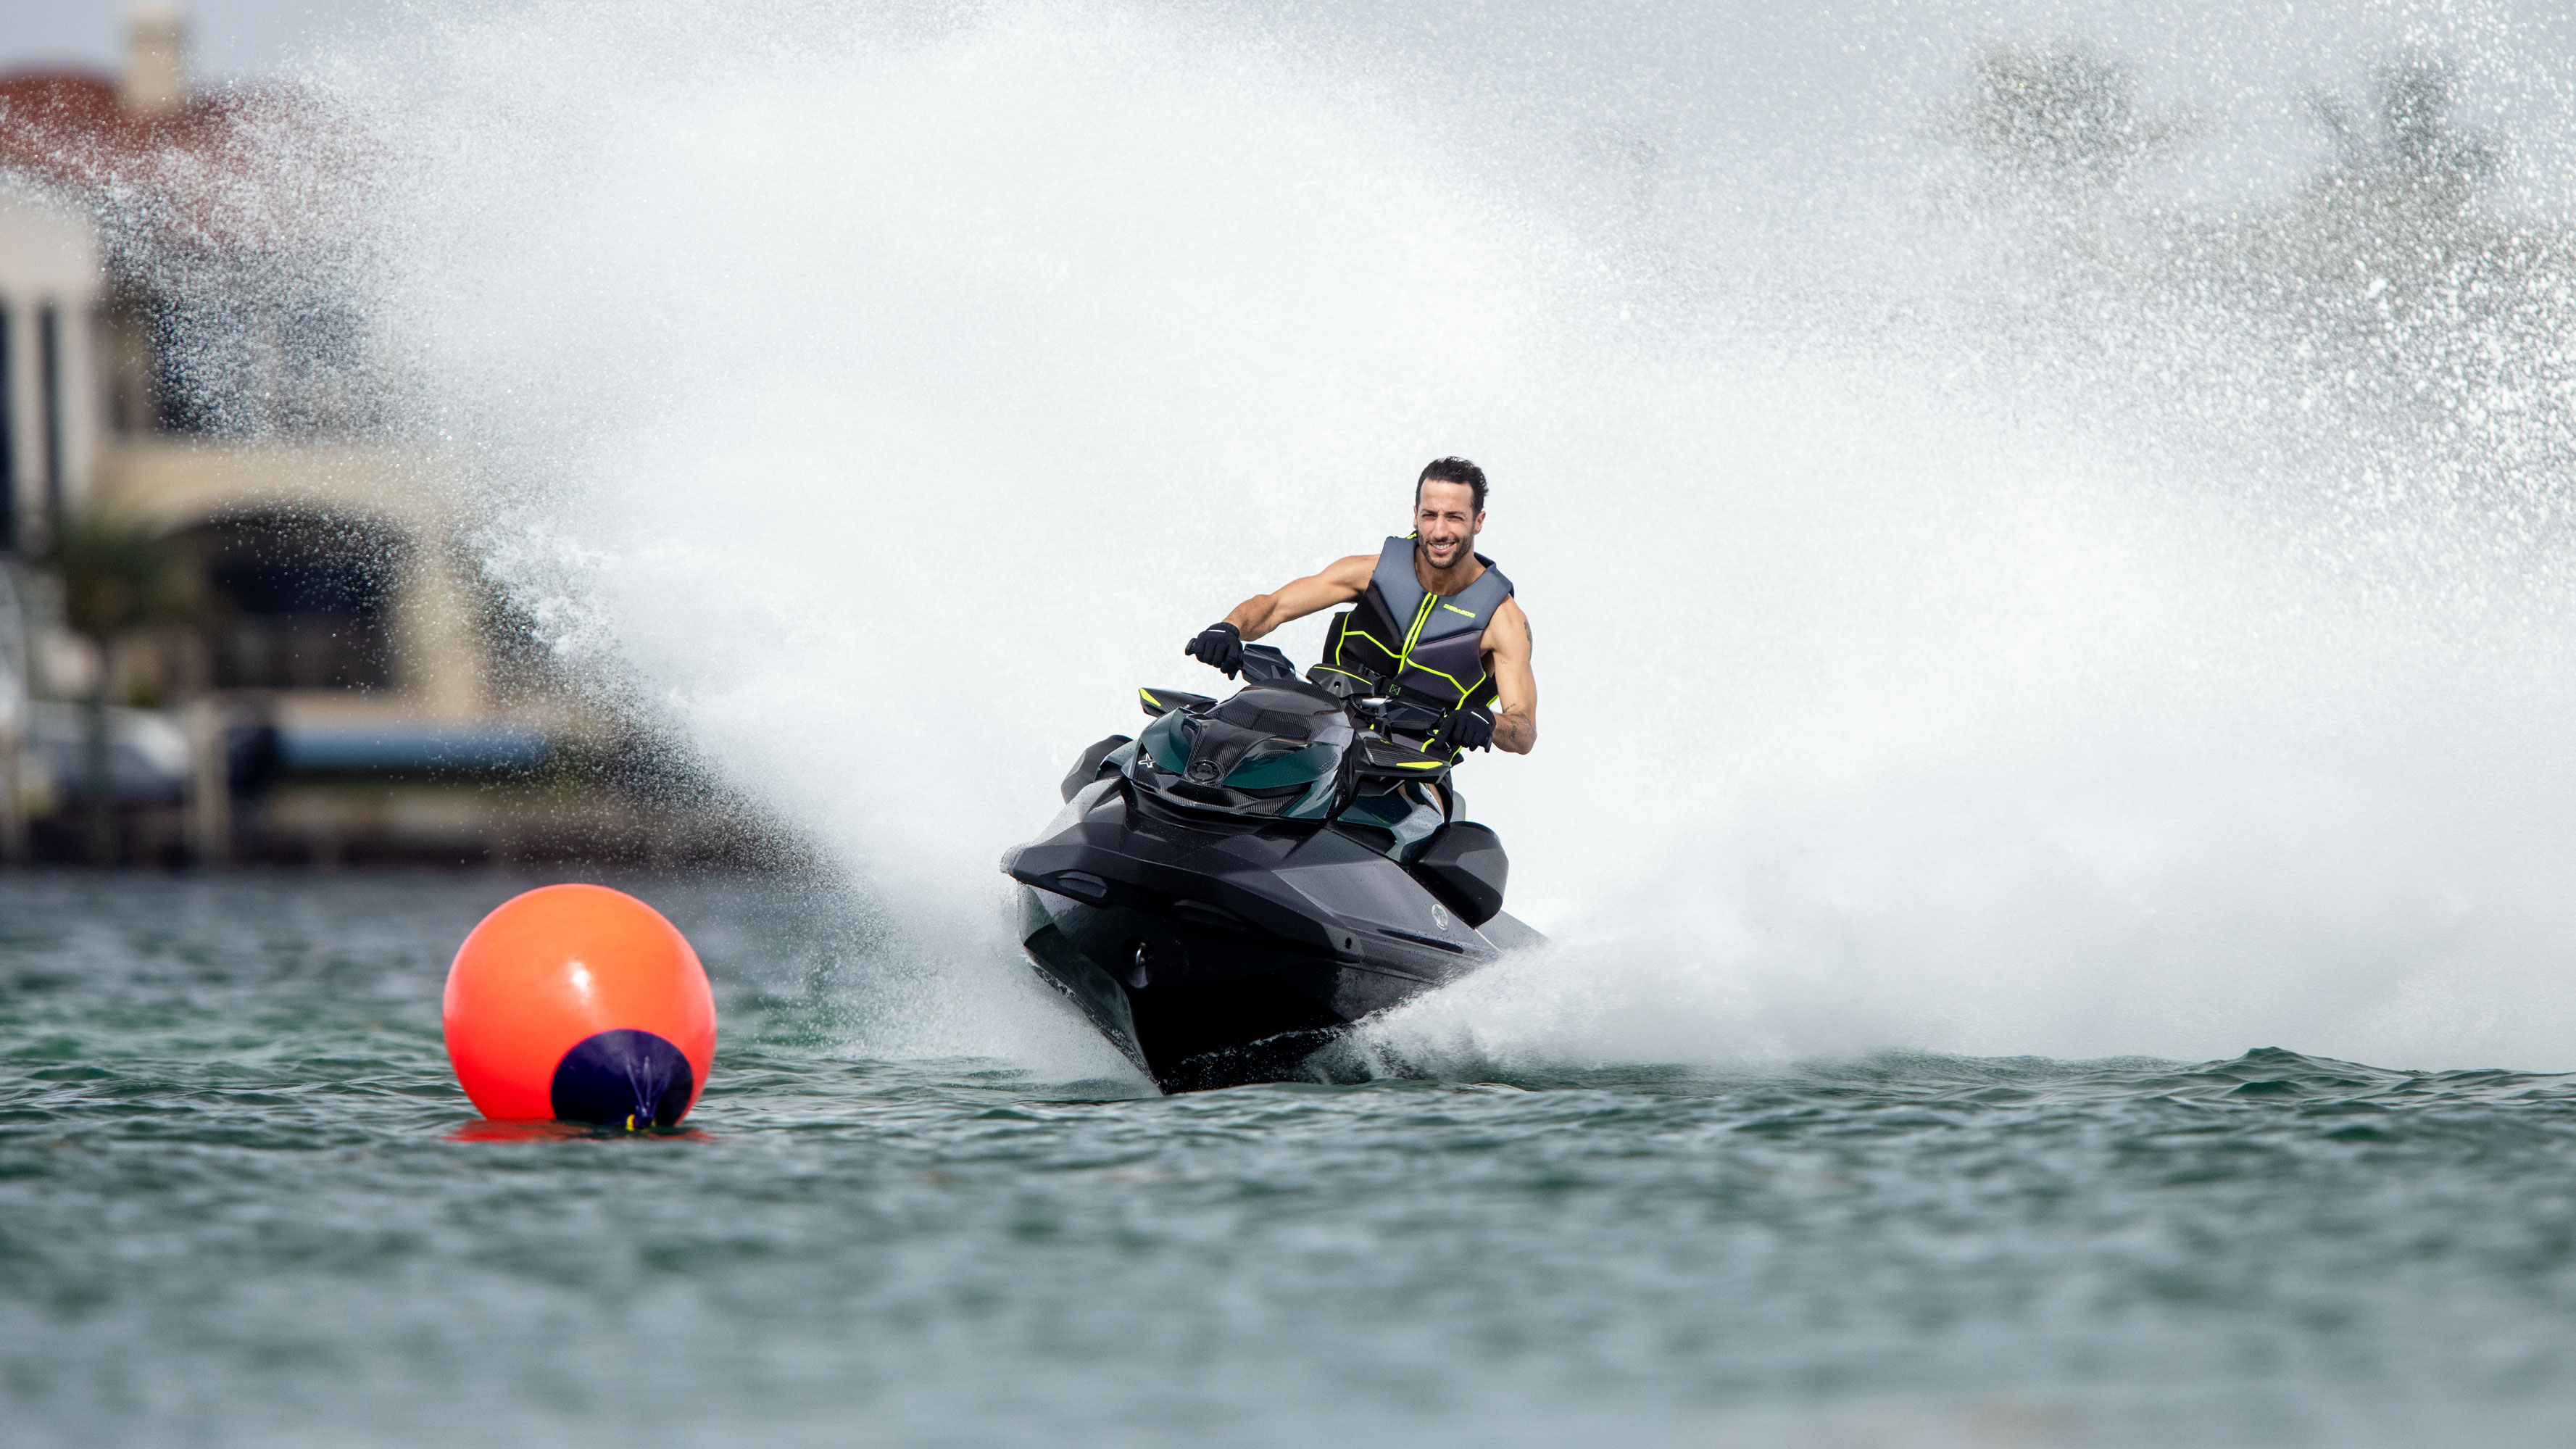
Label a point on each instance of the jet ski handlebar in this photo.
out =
(1371, 754)
(1264, 664)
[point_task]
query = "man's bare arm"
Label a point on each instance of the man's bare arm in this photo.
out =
(1507, 638)
(1339, 583)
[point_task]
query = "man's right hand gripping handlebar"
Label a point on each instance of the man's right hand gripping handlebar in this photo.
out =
(1220, 646)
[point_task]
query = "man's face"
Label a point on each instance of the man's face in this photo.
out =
(1446, 521)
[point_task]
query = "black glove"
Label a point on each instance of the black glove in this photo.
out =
(1221, 646)
(1469, 728)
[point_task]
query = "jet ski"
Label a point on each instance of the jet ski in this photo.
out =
(1230, 888)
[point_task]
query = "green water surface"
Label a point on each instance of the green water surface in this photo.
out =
(236, 1208)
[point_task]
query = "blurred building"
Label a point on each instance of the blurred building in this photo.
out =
(345, 682)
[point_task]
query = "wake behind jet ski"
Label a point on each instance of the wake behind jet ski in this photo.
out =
(1223, 892)
(1226, 890)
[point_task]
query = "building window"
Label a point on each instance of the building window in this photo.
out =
(8, 434)
(127, 360)
(49, 364)
(301, 601)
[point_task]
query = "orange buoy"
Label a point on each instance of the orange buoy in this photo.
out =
(581, 1003)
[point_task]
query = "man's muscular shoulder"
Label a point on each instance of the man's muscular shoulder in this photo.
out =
(1353, 572)
(1509, 628)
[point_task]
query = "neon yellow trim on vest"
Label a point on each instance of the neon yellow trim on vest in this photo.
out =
(1347, 634)
(1463, 689)
(1413, 636)
(1404, 657)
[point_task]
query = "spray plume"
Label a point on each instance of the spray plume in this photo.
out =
(1991, 595)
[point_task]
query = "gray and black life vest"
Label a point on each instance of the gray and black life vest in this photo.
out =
(1404, 640)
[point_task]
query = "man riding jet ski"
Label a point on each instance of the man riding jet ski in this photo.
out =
(1228, 889)
(1437, 630)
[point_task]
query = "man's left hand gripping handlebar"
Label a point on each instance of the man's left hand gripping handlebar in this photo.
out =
(1221, 647)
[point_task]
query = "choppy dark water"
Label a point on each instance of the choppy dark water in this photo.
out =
(235, 1209)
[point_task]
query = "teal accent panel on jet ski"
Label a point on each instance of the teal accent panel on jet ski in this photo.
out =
(1298, 767)
(1162, 742)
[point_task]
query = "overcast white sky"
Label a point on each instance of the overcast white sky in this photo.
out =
(2235, 71)
(233, 39)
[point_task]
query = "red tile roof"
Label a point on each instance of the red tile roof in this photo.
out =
(198, 172)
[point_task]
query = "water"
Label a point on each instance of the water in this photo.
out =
(242, 1202)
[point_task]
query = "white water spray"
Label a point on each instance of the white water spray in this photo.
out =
(1934, 653)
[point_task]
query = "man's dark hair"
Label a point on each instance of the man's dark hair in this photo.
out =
(1452, 470)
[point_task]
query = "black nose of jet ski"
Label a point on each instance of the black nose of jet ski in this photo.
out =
(1249, 877)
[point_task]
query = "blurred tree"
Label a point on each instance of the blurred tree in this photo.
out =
(2060, 119)
(118, 575)
(2418, 149)
(2382, 335)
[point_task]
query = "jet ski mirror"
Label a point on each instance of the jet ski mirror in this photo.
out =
(1160, 702)
(1387, 760)
(1464, 865)
(1093, 764)
(1380, 761)
(1264, 664)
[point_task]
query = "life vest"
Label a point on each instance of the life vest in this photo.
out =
(1405, 640)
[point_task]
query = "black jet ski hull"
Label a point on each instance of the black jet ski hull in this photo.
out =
(1213, 953)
